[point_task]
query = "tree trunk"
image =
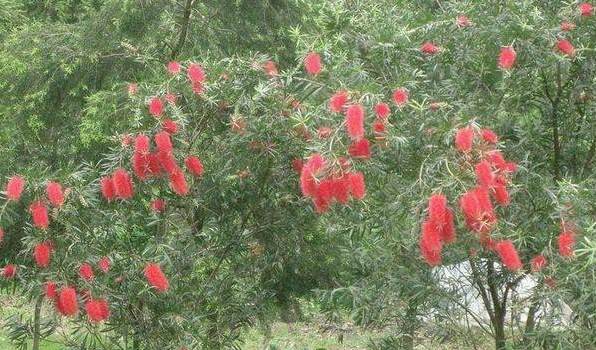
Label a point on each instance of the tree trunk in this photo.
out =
(36, 323)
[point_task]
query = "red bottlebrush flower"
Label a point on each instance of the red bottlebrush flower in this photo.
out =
(142, 144)
(489, 136)
(401, 97)
(173, 67)
(586, 9)
(312, 63)
(163, 142)
(357, 185)
(140, 165)
(297, 165)
(565, 47)
(132, 88)
(429, 48)
(324, 132)
(437, 207)
(484, 174)
(340, 188)
(156, 277)
(167, 162)
(178, 182)
(325, 191)
(360, 149)
(338, 101)
(67, 302)
(55, 194)
(97, 310)
(321, 206)
(497, 160)
(566, 242)
(430, 244)
(194, 165)
(14, 188)
(42, 253)
(508, 254)
(39, 215)
(538, 263)
(86, 272)
(501, 195)
(198, 88)
(448, 228)
(49, 289)
(379, 126)
(270, 68)
(478, 210)
(464, 139)
(308, 176)
(170, 98)
(170, 126)
(507, 57)
(104, 264)
(153, 164)
(123, 187)
(567, 26)
(462, 21)
(156, 107)
(382, 110)
(158, 205)
(355, 121)
(196, 73)
(107, 188)
(9, 271)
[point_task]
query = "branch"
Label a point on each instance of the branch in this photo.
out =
(184, 29)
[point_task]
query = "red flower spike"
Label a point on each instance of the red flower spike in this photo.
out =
(357, 185)
(97, 310)
(142, 144)
(501, 195)
(123, 187)
(429, 48)
(9, 271)
(308, 176)
(463, 21)
(107, 188)
(158, 205)
(484, 174)
(565, 47)
(167, 162)
(42, 253)
(140, 165)
(49, 289)
(14, 188)
(379, 126)
(489, 136)
(156, 107)
(163, 141)
(173, 67)
(170, 126)
(586, 9)
(67, 302)
(448, 228)
(86, 272)
(566, 243)
(401, 97)
(507, 57)
(338, 101)
(104, 264)
(178, 182)
(355, 121)
(340, 189)
(538, 263)
(382, 110)
(270, 69)
(39, 215)
(194, 165)
(156, 277)
(464, 139)
(196, 74)
(430, 244)
(508, 254)
(312, 63)
(55, 194)
(437, 206)
(360, 149)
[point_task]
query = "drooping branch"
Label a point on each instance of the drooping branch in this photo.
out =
(183, 29)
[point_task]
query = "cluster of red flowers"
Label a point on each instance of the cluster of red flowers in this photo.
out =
(326, 186)
(196, 76)
(437, 229)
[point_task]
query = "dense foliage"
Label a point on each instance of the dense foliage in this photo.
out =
(192, 168)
